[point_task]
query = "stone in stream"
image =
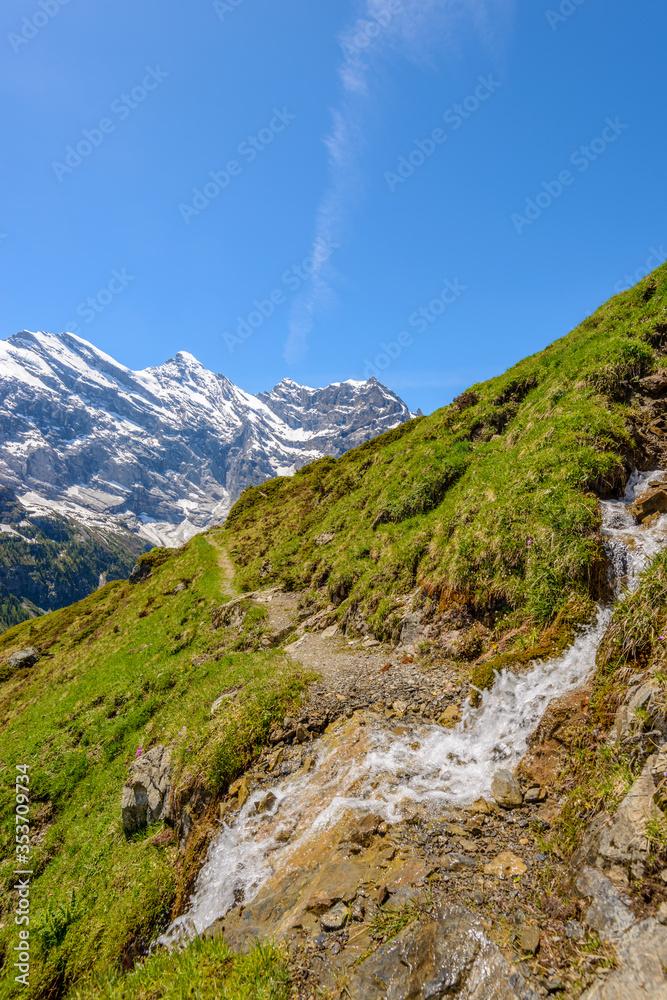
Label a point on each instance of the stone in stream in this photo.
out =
(302, 733)
(240, 789)
(266, 803)
(451, 717)
(506, 790)
(336, 918)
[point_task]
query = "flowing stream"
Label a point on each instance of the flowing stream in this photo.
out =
(427, 766)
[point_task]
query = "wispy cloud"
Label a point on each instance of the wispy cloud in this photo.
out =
(408, 29)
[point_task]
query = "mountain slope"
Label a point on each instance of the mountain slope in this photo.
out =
(491, 502)
(111, 461)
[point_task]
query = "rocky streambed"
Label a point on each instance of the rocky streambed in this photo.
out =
(385, 837)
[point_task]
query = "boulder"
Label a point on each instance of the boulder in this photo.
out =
(447, 955)
(23, 658)
(146, 795)
(618, 846)
(141, 571)
(642, 954)
(506, 790)
(609, 914)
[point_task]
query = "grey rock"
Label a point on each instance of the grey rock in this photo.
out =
(642, 954)
(529, 940)
(662, 914)
(574, 930)
(618, 845)
(644, 697)
(146, 795)
(23, 658)
(336, 918)
(411, 631)
(609, 914)
(448, 955)
(506, 789)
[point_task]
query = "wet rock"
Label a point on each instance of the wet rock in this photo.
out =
(609, 914)
(146, 795)
(456, 862)
(276, 760)
(535, 794)
(506, 790)
(445, 956)
(450, 717)
(240, 789)
(400, 707)
(506, 864)
(362, 830)
(266, 803)
(302, 733)
(529, 940)
(654, 502)
(382, 895)
(358, 911)
(642, 954)
(308, 765)
(23, 658)
(336, 918)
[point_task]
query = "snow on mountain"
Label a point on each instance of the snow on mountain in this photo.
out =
(163, 452)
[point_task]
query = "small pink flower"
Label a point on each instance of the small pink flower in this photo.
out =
(139, 752)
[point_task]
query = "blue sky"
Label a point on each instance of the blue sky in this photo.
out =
(423, 189)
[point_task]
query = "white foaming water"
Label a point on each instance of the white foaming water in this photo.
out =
(630, 546)
(430, 767)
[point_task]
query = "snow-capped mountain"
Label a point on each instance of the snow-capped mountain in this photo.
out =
(163, 452)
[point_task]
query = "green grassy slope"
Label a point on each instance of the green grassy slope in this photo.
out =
(491, 500)
(128, 667)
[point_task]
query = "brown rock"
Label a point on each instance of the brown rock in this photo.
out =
(450, 717)
(506, 864)
(529, 940)
(654, 502)
(266, 803)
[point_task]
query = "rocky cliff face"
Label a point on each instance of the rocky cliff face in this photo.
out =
(166, 451)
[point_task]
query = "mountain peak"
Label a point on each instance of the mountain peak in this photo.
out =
(163, 452)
